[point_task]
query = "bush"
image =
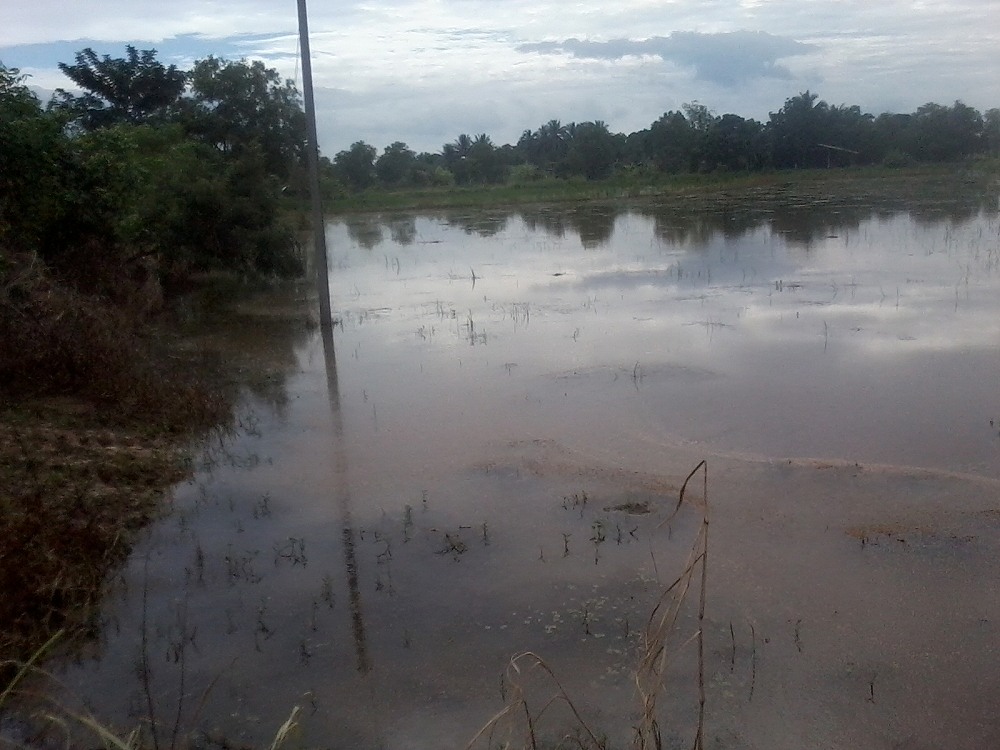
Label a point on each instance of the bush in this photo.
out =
(896, 159)
(60, 341)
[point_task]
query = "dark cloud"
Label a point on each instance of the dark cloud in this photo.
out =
(726, 59)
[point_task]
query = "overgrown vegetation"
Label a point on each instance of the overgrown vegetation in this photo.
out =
(110, 201)
(94, 420)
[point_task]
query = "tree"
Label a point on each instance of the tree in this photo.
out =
(699, 117)
(395, 164)
(132, 89)
(456, 158)
(33, 149)
(528, 147)
(991, 131)
(670, 143)
(553, 144)
(796, 131)
(592, 151)
(484, 161)
(243, 105)
(730, 143)
(356, 166)
(939, 133)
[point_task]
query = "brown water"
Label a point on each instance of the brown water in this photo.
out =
(483, 464)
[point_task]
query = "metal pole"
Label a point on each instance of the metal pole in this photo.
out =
(312, 160)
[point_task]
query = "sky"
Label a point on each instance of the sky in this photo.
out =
(425, 71)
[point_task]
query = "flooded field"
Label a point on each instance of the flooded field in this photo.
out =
(480, 460)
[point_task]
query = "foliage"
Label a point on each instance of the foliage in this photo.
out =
(732, 144)
(110, 198)
(669, 143)
(356, 166)
(32, 154)
(127, 183)
(198, 209)
(805, 133)
(133, 89)
(593, 151)
(396, 164)
(244, 106)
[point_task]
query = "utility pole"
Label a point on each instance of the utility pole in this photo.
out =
(326, 329)
(312, 160)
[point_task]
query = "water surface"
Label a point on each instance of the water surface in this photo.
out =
(479, 461)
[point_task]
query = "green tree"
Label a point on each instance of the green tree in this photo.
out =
(796, 131)
(239, 106)
(939, 133)
(62, 198)
(699, 117)
(670, 143)
(593, 151)
(528, 147)
(730, 144)
(33, 150)
(132, 89)
(396, 164)
(356, 166)
(484, 161)
(991, 131)
(553, 143)
(456, 158)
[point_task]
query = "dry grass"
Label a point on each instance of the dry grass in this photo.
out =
(95, 415)
(59, 341)
(72, 499)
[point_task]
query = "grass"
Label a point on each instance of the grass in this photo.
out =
(50, 718)
(656, 186)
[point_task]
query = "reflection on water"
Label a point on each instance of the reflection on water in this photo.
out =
(482, 465)
(342, 489)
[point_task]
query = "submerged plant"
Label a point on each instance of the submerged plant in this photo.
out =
(518, 723)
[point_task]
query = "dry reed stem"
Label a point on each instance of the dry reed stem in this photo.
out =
(518, 702)
(651, 672)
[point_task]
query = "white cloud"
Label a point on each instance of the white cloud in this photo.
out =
(424, 71)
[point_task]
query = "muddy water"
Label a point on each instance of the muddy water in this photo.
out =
(480, 460)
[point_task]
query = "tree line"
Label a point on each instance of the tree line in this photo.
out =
(805, 133)
(170, 171)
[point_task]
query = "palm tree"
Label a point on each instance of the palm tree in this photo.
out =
(552, 144)
(463, 144)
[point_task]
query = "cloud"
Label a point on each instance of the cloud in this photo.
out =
(726, 59)
(423, 71)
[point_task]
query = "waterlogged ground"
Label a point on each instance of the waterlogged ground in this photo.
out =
(481, 463)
